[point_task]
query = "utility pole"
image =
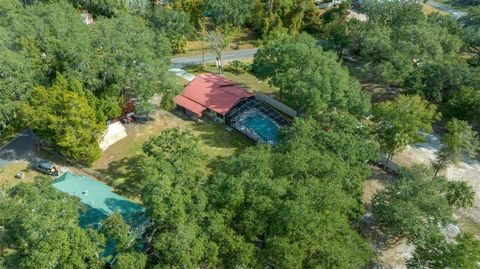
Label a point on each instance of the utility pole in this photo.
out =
(202, 34)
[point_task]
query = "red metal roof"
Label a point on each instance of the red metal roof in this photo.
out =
(214, 92)
(190, 105)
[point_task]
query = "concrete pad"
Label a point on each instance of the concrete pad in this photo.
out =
(182, 73)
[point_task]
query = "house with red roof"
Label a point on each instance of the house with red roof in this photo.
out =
(212, 95)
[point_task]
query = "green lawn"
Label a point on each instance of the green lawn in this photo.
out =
(245, 79)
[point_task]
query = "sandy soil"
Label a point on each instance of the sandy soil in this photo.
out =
(394, 256)
(388, 255)
(467, 170)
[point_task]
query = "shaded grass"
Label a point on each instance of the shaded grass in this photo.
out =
(181, 81)
(195, 48)
(8, 135)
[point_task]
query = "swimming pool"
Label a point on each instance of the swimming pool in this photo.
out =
(263, 126)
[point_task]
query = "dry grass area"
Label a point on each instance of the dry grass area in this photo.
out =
(379, 93)
(428, 9)
(7, 174)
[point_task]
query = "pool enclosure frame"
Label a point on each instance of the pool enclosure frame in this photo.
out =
(231, 118)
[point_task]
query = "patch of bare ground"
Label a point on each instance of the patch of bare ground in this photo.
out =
(377, 182)
(390, 254)
(394, 255)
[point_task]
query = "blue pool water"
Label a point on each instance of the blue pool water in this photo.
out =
(264, 127)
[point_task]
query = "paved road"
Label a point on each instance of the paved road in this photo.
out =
(17, 149)
(210, 58)
(447, 9)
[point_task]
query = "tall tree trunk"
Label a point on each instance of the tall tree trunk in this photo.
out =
(389, 157)
(221, 62)
(439, 167)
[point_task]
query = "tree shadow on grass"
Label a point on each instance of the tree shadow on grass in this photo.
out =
(124, 176)
(218, 136)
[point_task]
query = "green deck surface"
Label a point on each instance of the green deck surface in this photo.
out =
(99, 199)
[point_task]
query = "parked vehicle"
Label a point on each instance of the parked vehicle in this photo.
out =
(47, 167)
(129, 117)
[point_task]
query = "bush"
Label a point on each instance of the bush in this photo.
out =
(167, 102)
(179, 44)
(238, 66)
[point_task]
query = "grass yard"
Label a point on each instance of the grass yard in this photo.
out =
(7, 174)
(428, 9)
(245, 79)
(181, 81)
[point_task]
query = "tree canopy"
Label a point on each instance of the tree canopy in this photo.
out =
(63, 114)
(438, 253)
(229, 12)
(458, 141)
(41, 226)
(257, 207)
(415, 206)
(111, 59)
(406, 120)
(465, 105)
(175, 199)
(471, 34)
(310, 80)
